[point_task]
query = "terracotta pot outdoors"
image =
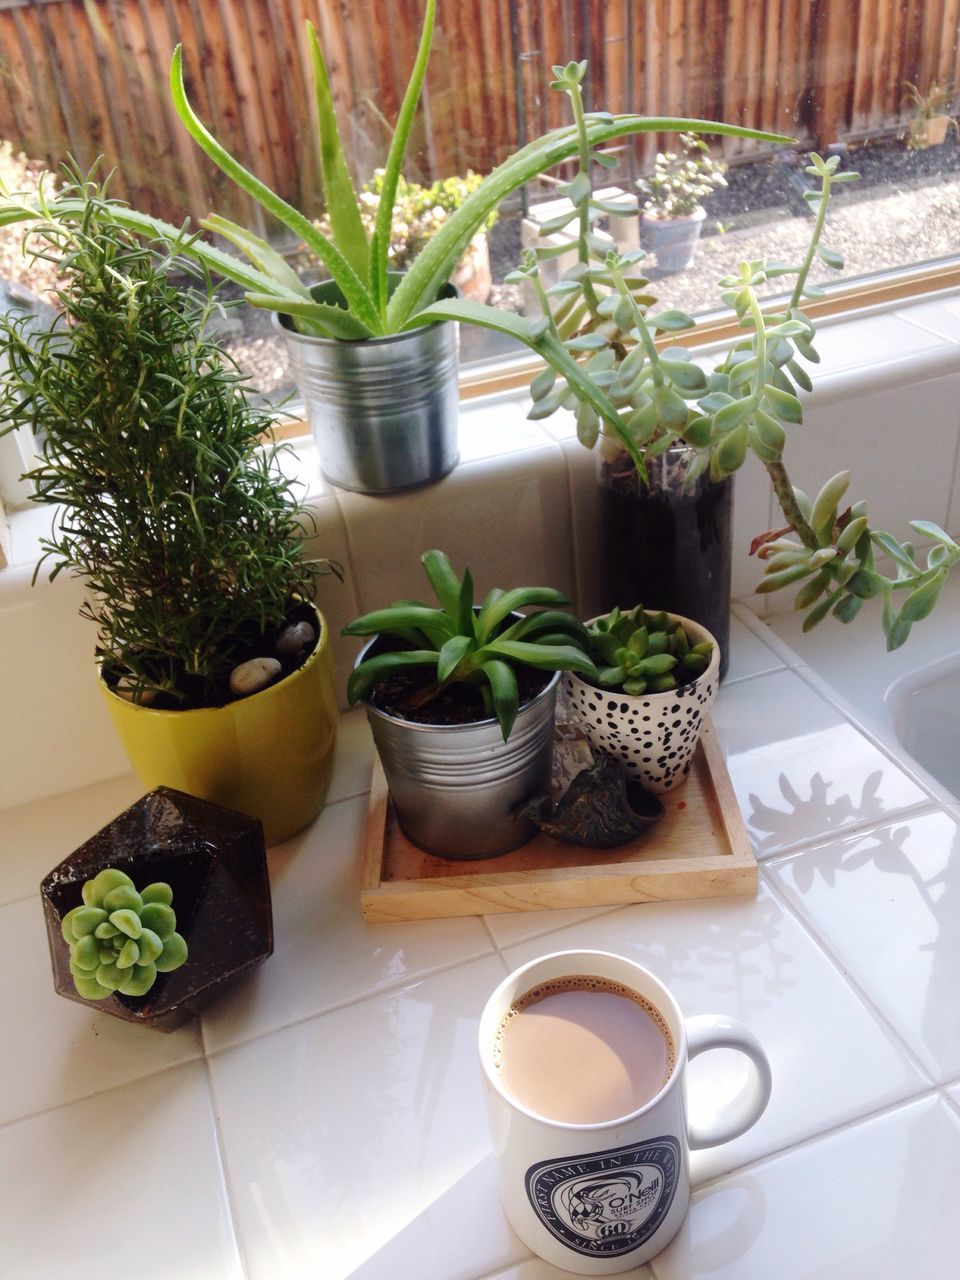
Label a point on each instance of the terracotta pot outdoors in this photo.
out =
(655, 735)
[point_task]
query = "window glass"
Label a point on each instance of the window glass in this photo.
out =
(874, 82)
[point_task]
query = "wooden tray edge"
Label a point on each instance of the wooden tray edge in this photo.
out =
(489, 892)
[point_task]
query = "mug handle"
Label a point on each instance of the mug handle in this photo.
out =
(714, 1031)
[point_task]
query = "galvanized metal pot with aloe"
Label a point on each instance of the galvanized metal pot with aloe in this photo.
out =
(461, 700)
(360, 341)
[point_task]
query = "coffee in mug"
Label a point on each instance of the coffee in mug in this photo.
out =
(584, 1058)
(583, 1050)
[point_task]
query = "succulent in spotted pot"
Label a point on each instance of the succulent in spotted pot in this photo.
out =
(120, 939)
(641, 652)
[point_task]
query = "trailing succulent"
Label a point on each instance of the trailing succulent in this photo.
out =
(121, 939)
(479, 646)
(641, 652)
(598, 335)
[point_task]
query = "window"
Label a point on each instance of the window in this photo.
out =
(875, 82)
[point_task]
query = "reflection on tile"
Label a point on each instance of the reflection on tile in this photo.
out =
(877, 1199)
(537, 1269)
(54, 1050)
(36, 836)
(799, 770)
(750, 959)
(885, 905)
(325, 953)
(369, 1143)
(131, 1174)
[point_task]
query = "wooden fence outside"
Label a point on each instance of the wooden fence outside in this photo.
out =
(89, 77)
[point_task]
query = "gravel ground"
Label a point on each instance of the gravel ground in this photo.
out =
(905, 208)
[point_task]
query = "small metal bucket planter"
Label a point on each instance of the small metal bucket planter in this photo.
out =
(457, 788)
(655, 735)
(384, 412)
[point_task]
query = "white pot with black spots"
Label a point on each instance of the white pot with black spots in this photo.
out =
(654, 734)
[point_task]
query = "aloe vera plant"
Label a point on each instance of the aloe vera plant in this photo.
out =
(597, 335)
(480, 646)
(356, 263)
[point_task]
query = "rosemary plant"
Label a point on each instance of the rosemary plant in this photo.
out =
(597, 335)
(166, 502)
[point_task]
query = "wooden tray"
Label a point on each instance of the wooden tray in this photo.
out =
(699, 849)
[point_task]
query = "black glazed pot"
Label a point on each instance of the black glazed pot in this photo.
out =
(215, 862)
(668, 544)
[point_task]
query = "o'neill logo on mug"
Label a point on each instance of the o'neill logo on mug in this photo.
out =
(606, 1203)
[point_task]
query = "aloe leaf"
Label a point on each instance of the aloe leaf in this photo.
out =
(493, 613)
(398, 147)
(547, 620)
(434, 265)
(554, 657)
(506, 697)
(349, 283)
(420, 616)
(456, 648)
(443, 579)
(258, 251)
(338, 193)
(363, 678)
(320, 319)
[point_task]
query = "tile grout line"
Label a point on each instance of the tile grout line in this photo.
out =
(860, 828)
(388, 989)
(99, 1093)
(224, 1172)
(824, 945)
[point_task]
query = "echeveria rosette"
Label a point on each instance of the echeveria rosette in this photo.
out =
(639, 652)
(120, 939)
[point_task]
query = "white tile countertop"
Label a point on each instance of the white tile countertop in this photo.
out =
(325, 1118)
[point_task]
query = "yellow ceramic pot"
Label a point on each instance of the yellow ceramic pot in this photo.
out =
(269, 755)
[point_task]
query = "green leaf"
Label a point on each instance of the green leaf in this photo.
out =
(731, 452)
(672, 410)
(554, 657)
(260, 253)
(927, 529)
(921, 601)
(350, 284)
(370, 672)
(783, 404)
(846, 610)
(800, 375)
(456, 648)
(395, 617)
(685, 374)
(395, 157)
(733, 414)
(338, 193)
(671, 321)
(831, 257)
(445, 583)
(506, 698)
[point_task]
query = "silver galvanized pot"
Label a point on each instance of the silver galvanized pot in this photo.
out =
(384, 412)
(456, 787)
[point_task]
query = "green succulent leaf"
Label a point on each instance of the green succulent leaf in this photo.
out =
(159, 891)
(174, 953)
(95, 890)
(159, 919)
(138, 980)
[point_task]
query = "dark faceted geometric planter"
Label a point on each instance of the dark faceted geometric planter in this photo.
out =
(214, 860)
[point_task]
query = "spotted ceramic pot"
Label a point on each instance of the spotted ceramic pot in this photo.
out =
(654, 734)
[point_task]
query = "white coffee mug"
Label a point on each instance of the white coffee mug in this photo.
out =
(596, 1199)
